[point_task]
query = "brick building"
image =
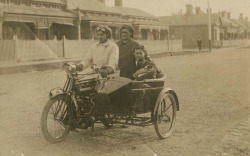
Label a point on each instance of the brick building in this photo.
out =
(190, 26)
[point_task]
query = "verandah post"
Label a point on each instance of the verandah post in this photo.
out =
(16, 47)
(63, 46)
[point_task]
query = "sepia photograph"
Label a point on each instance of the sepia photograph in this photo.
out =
(125, 77)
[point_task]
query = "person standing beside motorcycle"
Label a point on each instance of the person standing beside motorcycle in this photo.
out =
(104, 54)
(126, 46)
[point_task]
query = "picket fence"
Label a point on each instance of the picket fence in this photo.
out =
(35, 50)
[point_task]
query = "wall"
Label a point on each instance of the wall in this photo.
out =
(7, 50)
(153, 46)
(230, 43)
(30, 50)
(189, 35)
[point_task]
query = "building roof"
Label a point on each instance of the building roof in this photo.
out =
(228, 22)
(132, 12)
(29, 10)
(90, 5)
(181, 20)
(236, 21)
(92, 17)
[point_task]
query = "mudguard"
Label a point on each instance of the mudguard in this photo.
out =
(56, 92)
(166, 90)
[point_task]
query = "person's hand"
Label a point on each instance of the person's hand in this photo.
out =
(95, 69)
(140, 72)
(149, 67)
(105, 71)
(79, 67)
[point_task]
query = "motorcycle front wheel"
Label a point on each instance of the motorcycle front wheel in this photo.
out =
(55, 120)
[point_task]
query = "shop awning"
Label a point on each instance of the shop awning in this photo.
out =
(63, 21)
(29, 10)
(41, 17)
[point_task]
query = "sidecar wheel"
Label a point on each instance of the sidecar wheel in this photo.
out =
(165, 115)
(55, 120)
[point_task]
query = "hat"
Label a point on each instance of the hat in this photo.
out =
(105, 30)
(131, 30)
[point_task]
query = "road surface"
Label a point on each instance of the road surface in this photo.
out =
(214, 117)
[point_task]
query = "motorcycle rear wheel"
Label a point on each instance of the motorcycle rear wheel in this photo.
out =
(55, 119)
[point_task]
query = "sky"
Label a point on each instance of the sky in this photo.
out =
(168, 7)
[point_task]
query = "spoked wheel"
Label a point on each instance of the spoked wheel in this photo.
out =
(55, 120)
(165, 115)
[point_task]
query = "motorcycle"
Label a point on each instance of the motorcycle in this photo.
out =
(88, 98)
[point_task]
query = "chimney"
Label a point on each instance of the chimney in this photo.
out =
(118, 3)
(189, 9)
(229, 15)
(198, 10)
(102, 1)
(241, 16)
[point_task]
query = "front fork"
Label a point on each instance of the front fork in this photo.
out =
(91, 115)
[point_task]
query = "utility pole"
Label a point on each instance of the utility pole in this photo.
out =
(209, 26)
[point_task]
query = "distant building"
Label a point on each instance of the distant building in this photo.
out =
(146, 26)
(47, 19)
(190, 26)
(246, 25)
(230, 26)
(94, 13)
(27, 19)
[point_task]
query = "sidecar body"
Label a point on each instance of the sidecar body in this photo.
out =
(123, 96)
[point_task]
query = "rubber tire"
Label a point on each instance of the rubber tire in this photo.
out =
(161, 136)
(44, 122)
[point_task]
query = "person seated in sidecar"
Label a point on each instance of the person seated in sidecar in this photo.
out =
(104, 54)
(145, 69)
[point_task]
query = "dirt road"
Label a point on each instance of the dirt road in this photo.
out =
(214, 116)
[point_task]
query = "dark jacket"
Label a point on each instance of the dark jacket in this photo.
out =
(199, 42)
(126, 62)
(150, 71)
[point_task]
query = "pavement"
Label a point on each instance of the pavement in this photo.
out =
(10, 67)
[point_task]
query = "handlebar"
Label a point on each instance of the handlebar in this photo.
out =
(70, 69)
